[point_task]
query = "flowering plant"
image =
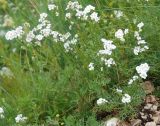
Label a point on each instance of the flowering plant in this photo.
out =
(73, 61)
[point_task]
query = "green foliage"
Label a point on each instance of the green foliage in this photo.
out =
(48, 81)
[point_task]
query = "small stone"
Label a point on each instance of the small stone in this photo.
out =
(112, 122)
(141, 113)
(154, 108)
(155, 119)
(148, 106)
(150, 115)
(150, 124)
(136, 122)
(148, 87)
(150, 99)
(144, 117)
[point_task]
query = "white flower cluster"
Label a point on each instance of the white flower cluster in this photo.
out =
(13, 34)
(83, 14)
(142, 70)
(108, 48)
(140, 26)
(108, 62)
(68, 43)
(119, 90)
(91, 66)
(53, 7)
(73, 5)
(134, 78)
(20, 119)
(118, 13)
(101, 101)
(1, 113)
(44, 30)
(141, 44)
(120, 34)
(6, 72)
(126, 98)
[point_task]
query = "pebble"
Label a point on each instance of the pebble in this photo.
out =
(154, 108)
(148, 87)
(150, 124)
(148, 106)
(144, 117)
(155, 119)
(136, 122)
(112, 122)
(150, 99)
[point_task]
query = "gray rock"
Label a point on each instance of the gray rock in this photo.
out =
(112, 122)
(144, 117)
(148, 106)
(150, 124)
(155, 119)
(136, 122)
(154, 108)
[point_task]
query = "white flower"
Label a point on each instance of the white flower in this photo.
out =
(6, 72)
(130, 81)
(1, 113)
(20, 118)
(88, 9)
(126, 31)
(1, 110)
(119, 90)
(137, 50)
(73, 5)
(30, 36)
(109, 62)
(134, 78)
(39, 37)
(91, 66)
(118, 13)
(136, 34)
(126, 98)
(94, 17)
(142, 70)
(120, 34)
(45, 32)
(140, 25)
(57, 14)
(68, 16)
(43, 16)
(52, 7)
(141, 42)
(101, 101)
(2, 116)
(108, 47)
(18, 32)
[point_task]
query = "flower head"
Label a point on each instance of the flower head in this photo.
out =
(142, 70)
(20, 119)
(101, 101)
(126, 98)
(91, 66)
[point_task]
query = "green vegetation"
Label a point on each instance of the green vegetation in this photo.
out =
(53, 86)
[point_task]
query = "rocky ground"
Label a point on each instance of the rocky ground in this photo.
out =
(149, 114)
